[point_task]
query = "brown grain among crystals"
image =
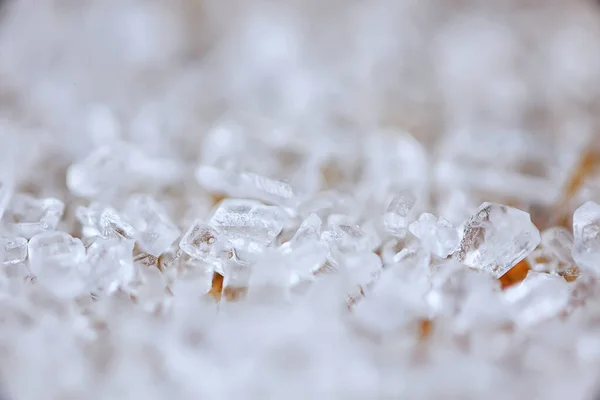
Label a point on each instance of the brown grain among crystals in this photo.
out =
(216, 288)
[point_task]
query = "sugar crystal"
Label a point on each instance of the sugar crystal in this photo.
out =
(199, 240)
(436, 234)
(29, 216)
(398, 214)
(496, 238)
(586, 230)
(15, 250)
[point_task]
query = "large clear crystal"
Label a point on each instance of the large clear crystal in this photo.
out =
(586, 230)
(248, 222)
(29, 216)
(154, 230)
(436, 234)
(496, 238)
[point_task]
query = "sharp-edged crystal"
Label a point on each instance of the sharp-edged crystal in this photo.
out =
(29, 216)
(199, 240)
(496, 238)
(586, 231)
(437, 235)
(398, 215)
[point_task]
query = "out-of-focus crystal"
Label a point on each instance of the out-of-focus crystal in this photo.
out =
(29, 216)
(554, 254)
(346, 236)
(155, 232)
(57, 248)
(199, 240)
(436, 234)
(361, 268)
(6, 192)
(586, 231)
(398, 214)
(106, 222)
(245, 185)
(496, 238)
(538, 297)
(248, 222)
(109, 264)
(309, 231)
(15, 250)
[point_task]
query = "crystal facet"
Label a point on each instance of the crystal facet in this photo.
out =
(155, 232)
(398, 214)
(586, 230)
(54, 250)
(29, 216)
(199, 240)
(436, 234)
(496, 238)
(15, 250)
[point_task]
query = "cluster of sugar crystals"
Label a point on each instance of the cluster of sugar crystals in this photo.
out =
(264, 201)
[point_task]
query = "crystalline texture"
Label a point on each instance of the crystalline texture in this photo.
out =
(245, 185)
(398, 213)
(539, 296)
(54, 250)
(29, 216)
(103, 221)
(109, 264)
(15, 250)
(155, 232)
(199, 240)
(247, 220)
(437, 235)
(586, 231)
(496, 238)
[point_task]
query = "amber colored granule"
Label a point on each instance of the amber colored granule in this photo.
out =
(515, 275)
(425, 328)
(216, 198)
(216, 288)
(234, 293)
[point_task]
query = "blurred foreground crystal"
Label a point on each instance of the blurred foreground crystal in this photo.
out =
(15, 250)
(6, 192)
(586, 230)
(436, 234)
(154, 230)
(55, 259)
(538, 297)
(29, 216)
(496, 238)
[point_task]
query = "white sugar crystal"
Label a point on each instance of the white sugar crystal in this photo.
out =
(346, 236)
(106, 222)
(245, 221)
(155, 232)
(538, 297)
(29, 216)
(245, 185)
(398, 214)
(199, 240)
(496, 238)
(52, 250)
(309, 231)
(104, 172)
(586, 230)
(436, 234)
(559, 241)
(109, 264)
(361, 268)
(15, 250)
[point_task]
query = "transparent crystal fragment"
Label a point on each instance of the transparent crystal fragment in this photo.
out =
(554, 254)
(248, 222)
(155, 232)
(109, 264)
(397, 217)
(305, 260)
(309, 231)
(245, 185)
(29, 216)
(105, 222)
(496, 238)
(538, 297)
(437, 235)
(199, 240)
(15, 250)
(54, 249)
(586, 232)
(361, 268)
